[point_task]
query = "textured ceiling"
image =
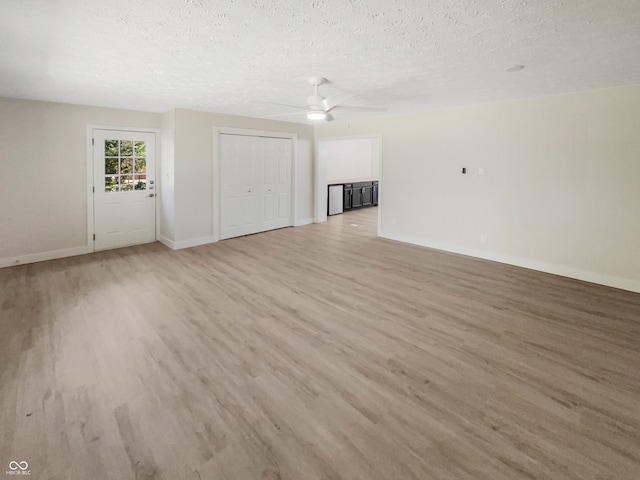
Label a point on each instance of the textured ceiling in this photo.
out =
(229, 55)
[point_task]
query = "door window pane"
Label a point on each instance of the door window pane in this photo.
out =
(125, 166)
(111, 148)
(111, 183)
(140, 149)
(126, 183)
(111, 165)
(126, 148)
(140, 182)
(141, 165)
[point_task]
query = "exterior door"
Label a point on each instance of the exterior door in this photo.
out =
(124, 200)
(255, 184)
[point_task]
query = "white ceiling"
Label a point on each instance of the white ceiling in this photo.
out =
(229, 55)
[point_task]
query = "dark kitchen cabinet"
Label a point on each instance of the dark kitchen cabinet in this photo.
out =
(360, 195)
(348, 192)
(363, 194)
(367, 194)
(356, 197)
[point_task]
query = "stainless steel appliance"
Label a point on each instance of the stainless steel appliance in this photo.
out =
(335, 199)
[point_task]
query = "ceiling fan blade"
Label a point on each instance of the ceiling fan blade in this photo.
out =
(335, 100)
(329, 118)
(288, 114)
(348, 108)
(281, 104)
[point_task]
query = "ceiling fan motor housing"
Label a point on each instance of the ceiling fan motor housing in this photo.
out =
(316, 81)
(316, 99)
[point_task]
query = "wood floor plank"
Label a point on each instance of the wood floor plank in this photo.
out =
(317, 352)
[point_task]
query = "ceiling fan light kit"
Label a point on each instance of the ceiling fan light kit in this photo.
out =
(316, 115)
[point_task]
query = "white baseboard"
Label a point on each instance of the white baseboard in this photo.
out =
(193, 242)
(622, 283)
(305, 221)
(43, 256)
(166, 242)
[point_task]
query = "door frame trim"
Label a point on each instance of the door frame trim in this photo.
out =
(90, 212)
(320, 176)
(217, 201)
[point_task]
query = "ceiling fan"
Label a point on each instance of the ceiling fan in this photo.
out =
(320, 108)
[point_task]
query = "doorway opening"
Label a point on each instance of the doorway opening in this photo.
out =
(348, 177)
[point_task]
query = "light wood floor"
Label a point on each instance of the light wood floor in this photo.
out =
(318, 352)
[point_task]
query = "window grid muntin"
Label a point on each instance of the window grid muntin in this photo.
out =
(125, 165)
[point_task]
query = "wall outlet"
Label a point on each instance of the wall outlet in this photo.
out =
(483, 238)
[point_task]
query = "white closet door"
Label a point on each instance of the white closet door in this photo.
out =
(276, 186)
(255, 184)
(238, 185)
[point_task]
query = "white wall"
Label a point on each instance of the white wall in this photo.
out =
(350, 160)
(43, 159)
(167, 175)
(560, 191)
(194, 170)
(43, 169)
